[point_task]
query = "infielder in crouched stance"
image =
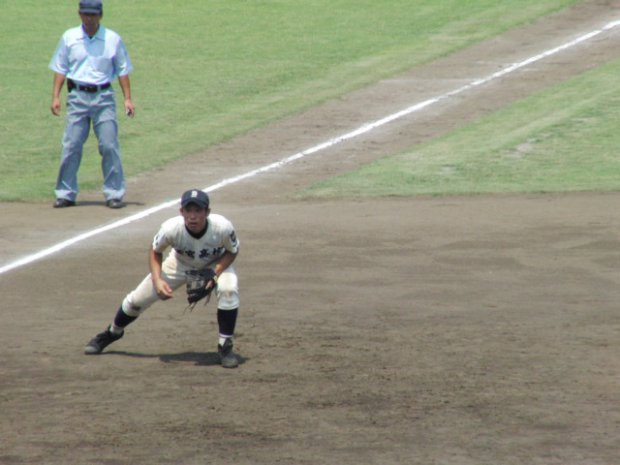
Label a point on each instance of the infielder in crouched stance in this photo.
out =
(200, 240)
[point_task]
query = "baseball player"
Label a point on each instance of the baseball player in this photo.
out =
(89, 57)
(196, 240)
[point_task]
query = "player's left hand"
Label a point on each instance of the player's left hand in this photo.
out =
(130, 110)
(200, 284)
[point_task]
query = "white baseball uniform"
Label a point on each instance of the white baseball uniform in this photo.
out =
(187, 252)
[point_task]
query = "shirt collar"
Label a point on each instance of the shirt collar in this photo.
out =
(99, 35)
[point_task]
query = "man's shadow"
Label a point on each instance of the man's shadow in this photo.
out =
(101, 203)
(197, 358)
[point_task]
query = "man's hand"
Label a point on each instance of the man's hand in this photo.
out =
(126, 87)
(55, 106)
(164, 292)
(59, 81)
(130, 110)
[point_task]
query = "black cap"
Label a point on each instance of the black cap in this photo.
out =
(196, 196)
(91, 6)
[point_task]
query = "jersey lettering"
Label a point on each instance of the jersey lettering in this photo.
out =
(207, 249)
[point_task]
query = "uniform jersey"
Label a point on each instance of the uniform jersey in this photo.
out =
(199, 252)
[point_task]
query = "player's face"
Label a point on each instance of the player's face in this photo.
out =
(195, 217)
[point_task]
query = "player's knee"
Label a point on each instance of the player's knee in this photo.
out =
(131, 309)
(227, 300)
(228, 291)
(227, 282)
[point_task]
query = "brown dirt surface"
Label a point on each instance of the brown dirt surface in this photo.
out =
(448, 331)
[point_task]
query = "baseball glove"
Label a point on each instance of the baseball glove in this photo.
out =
(200, 284)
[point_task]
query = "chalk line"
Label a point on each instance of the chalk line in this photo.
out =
(367, 127)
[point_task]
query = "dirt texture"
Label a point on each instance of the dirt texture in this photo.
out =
(450, 331)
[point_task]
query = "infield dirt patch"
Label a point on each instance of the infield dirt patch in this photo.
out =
(452, 331)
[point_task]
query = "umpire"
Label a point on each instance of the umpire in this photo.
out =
(89, 57)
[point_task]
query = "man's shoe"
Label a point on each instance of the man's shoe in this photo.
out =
(114, 203)
(101, 341)
(227, 358)
(64, 203)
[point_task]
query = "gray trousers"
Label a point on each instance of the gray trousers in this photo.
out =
(84, 109)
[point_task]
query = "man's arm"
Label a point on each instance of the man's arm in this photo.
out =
(161, 287)
(227, 259)
(224, 262)
(126, 88)
(59, 80)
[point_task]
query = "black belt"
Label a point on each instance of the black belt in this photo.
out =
(89, 88)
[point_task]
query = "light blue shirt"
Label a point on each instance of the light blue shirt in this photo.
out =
(91, 61)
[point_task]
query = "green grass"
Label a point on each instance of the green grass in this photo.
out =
(563, 139)
(206, 71)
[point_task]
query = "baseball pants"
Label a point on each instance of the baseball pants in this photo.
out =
(173, 272)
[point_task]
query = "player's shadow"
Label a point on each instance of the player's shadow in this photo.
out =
(197, 358)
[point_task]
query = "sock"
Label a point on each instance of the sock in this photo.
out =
(226, 321)
(120, 321)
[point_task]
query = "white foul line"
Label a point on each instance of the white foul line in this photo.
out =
(317, 148)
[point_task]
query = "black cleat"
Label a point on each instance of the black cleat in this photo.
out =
(101, 341)
(227, 358)
(114, 203)
(64, 203)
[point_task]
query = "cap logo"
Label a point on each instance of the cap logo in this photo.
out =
(194, 194)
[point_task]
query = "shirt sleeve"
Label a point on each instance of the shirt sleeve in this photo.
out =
(60, 60)
(231, 243)
(161, 241)
(122, 62)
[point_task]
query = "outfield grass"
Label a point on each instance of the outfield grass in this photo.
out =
(563, 139)
(207, 71)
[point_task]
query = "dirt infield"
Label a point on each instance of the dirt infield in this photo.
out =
(448, 331)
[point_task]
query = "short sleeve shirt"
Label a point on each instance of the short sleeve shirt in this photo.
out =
(97, 60)
(200, 252)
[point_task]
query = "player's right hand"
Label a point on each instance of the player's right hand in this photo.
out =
(164, 292)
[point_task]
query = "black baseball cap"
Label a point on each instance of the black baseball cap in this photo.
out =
(196, 196)
(91, 6)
